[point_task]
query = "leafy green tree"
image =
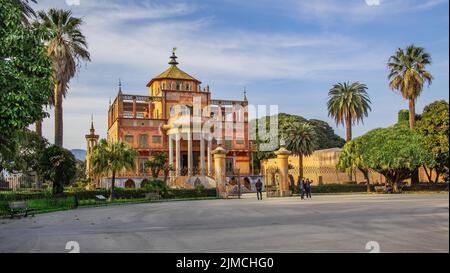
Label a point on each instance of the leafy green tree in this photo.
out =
(156, 164)
(408, 75)
(348, 104)
(351, 158)
(25, 82)
(300, 140)
(26, 9)
(67, 47)
(112, 158)
(325, 136)
(395, 152)
(434, 127)
(27, 152)
(59, 166)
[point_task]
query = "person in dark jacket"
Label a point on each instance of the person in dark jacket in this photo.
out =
(308, 188)
(301, 185)
(259, 186)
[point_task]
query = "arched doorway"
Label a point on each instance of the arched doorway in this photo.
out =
(129, 184)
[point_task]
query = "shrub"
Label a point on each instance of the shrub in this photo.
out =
(155, 185)
(336, 188)
(200, 187)
(22, 196)
(185, 193)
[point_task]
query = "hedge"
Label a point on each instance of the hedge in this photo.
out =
(120, 193)
(336, 188)
(427, 187)
(42, 204)
(183, 193)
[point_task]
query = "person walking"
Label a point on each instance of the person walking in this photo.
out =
(301, 185)
(259, 186)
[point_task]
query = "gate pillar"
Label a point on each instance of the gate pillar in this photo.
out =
(219, 155)
(283, 166)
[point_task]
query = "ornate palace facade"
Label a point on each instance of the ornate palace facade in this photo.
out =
(175, 118)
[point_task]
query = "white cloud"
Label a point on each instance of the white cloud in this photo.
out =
(73, 2)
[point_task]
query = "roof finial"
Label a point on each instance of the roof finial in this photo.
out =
(245, 93)
(120, 85)
(173, 58)
(92, 124)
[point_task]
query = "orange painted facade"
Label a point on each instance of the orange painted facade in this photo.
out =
(143, 121)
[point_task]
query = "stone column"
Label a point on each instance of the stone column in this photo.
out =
(283, 166)
(210, 157)
(134, 107)
(219, 167)
(202, 155)
(190, 155)
(170, 152)
(177, 155)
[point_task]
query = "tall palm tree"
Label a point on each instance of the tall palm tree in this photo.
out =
(112, 158)
(348, 104)
(407, 75)
(67, 47)
(300, 140)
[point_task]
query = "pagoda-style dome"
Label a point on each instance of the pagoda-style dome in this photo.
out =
(173, 72)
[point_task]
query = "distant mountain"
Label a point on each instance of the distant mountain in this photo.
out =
(79, 154)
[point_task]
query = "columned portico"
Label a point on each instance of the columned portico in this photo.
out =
(178, 137)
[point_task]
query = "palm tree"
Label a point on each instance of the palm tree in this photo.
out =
(156, 164)
(67, 47)
(407, 75)
(348, 104)
(112, 158)
(26, 9)
(300, 140)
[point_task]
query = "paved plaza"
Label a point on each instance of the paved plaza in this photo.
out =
(326, 223)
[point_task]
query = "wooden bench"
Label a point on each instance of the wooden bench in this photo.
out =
(19, 208)
(152, 196)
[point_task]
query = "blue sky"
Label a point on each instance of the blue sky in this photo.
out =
(287, 52)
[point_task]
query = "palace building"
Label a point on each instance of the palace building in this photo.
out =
(174, 117)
